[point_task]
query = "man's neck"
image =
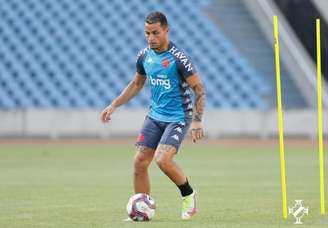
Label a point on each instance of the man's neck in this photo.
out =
(164, 48)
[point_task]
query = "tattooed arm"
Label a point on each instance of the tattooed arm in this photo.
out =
(196, 126)
(199, 102)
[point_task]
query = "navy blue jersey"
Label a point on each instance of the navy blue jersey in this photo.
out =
(166, 74)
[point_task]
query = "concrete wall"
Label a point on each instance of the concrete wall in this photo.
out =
(55, 123)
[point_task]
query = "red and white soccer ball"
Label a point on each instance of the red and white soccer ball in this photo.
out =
(141, 207)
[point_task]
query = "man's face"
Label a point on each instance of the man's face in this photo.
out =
(156, 35)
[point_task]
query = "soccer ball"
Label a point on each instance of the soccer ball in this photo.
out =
(141, 207)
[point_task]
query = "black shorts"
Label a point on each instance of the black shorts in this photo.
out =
(156, 132)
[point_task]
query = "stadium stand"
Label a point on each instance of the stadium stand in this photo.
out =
(249, 40)
(81, 53)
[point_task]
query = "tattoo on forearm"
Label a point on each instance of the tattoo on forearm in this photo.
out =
(199, 102)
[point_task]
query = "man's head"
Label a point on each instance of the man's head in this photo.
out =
(156, 31)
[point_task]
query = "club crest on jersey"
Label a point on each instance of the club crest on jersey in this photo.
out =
(166, 63)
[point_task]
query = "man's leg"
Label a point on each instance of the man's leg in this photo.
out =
(146, 144)
(142, 160)
(164, 158)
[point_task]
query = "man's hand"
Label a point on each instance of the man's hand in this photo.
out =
(105, 115)
(196, 130)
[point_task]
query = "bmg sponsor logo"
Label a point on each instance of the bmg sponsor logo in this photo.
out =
(161, 81)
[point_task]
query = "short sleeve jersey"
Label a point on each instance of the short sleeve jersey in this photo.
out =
(166, 74)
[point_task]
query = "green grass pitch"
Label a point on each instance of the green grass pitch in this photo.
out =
(88, 185)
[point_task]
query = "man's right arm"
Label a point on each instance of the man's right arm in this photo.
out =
(127, 94)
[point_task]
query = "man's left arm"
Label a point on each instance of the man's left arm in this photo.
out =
(196, 127)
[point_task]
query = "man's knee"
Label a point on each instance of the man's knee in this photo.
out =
(142, 159)
(164, 155)
(140, 163)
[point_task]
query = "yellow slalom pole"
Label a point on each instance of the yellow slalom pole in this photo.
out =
(319, 99)
(280, 121)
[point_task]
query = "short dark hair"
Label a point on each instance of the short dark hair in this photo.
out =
(155, 17)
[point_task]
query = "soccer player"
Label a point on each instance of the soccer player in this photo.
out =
(170, 75)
